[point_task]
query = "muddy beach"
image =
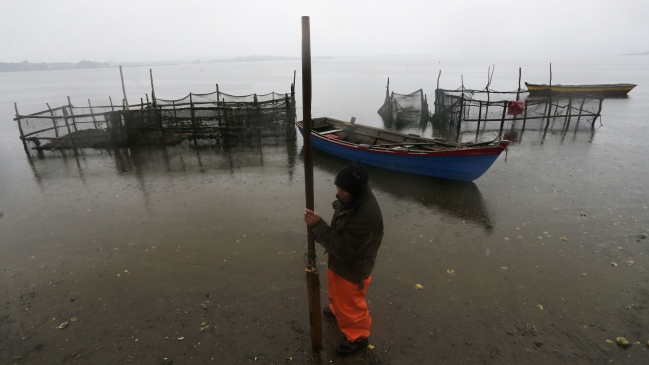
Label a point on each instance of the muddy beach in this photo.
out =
(185, 255)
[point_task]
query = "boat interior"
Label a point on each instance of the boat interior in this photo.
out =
(380, 138)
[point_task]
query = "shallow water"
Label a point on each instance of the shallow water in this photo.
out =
(131, 242)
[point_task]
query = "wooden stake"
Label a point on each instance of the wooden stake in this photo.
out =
(569, 114)
(121, 75)
(502, 120)
(477, 131)
(111, 103)
(599, 111)
(459, 119)
(549, 98)
(524, 117)
(74, 122)
(438, 76)
(518, 93)
(581, 107)
(65, 118)
(20, 128)
(192, 114)
(94, 121)
(56, 128)
(312, 280)
(152, 89)
(218, 97)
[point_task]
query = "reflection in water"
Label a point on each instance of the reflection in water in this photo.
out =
(457, 199)
(141, 162)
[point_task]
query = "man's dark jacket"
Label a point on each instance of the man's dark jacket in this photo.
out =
(354, 237)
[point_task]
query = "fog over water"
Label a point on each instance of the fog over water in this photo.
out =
(175, 31)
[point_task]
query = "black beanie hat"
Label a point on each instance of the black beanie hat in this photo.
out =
(352, 178)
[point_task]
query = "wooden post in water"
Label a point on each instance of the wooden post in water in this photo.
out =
(111, 103)
(193, 116)
(549, 98)
(74, 122)
(524, 117)
(225, 118)
(218, 109)
(599, 112)
(477, 131)
(581, 108)
(312, 280)
(569, 113)
(20, 128)
(518, 93)
(94, 121)
(65, 118)
(173, 105)
(121, 75)
(502, 120)
(459, 119)
(56, 128)
(152, 89)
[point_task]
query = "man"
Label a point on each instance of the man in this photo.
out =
(352, 241)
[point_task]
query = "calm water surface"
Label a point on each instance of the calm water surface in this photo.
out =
(541, 260)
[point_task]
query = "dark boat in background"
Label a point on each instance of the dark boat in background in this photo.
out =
(403, 152)
(596, 90)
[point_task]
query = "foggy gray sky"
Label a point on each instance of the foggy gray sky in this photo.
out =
(182, 30)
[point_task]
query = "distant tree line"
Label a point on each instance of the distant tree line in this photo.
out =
(27, 66)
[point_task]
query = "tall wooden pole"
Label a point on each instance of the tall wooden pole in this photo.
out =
(312, 280)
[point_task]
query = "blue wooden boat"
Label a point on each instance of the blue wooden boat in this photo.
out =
(403, 152)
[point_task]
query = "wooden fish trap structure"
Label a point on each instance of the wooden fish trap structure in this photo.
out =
(402, 109)
(202, 118)
(461, 115)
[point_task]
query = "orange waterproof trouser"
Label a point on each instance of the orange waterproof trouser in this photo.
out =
(348, 305)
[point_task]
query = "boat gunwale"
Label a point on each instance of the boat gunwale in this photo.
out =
(450, 151)
(589, 86)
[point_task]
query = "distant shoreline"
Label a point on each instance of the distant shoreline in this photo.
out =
(84, 65)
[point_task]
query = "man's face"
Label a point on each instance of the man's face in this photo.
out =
(343, 195)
